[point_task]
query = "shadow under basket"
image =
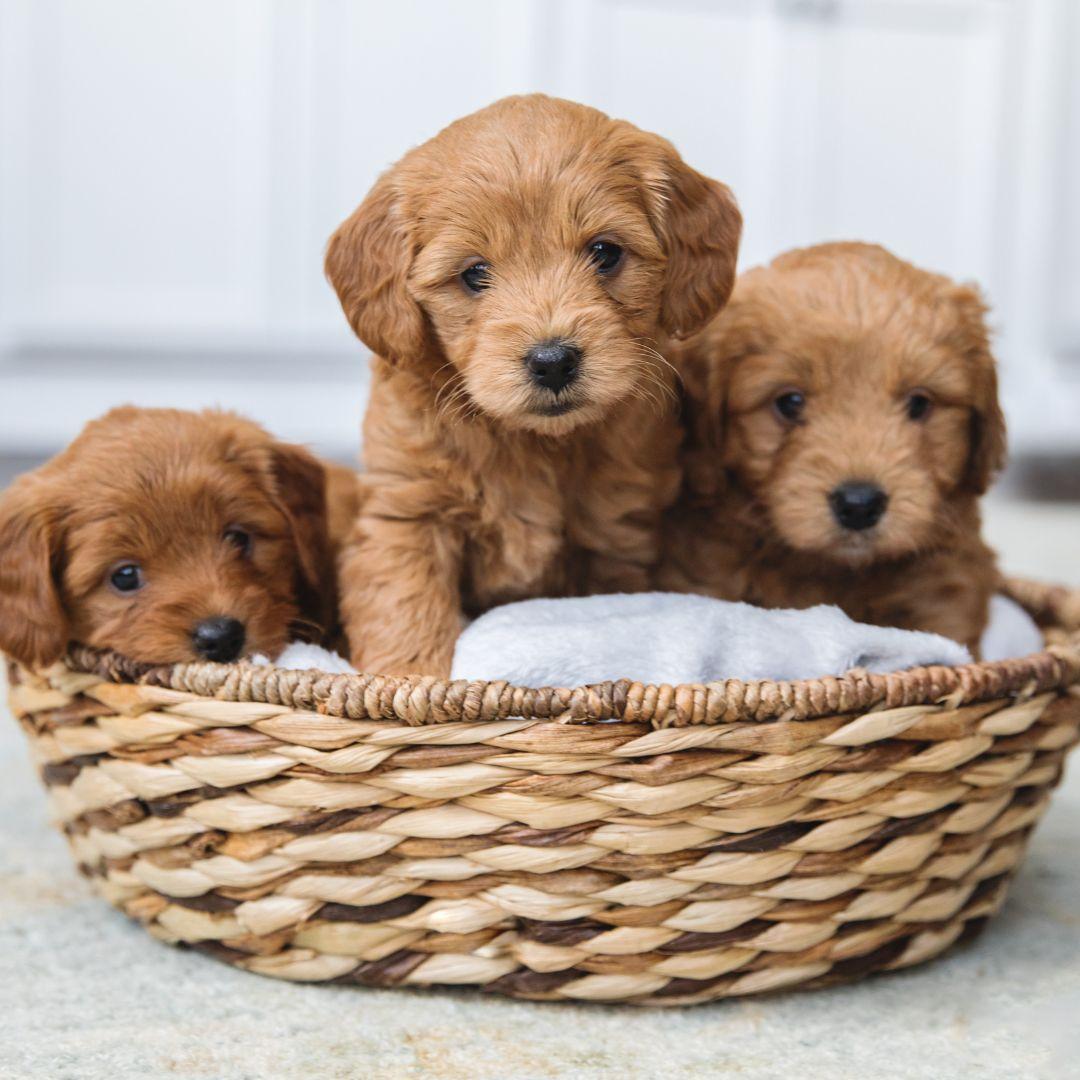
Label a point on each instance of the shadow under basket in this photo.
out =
(656, 845)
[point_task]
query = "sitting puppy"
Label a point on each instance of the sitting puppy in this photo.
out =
(169, 536)
(845, 421)
(518, 277)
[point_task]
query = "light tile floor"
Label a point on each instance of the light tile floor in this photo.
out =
(84, 993)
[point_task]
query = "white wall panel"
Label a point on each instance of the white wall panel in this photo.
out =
(908, 152)
(147, 153)
(679, 69)
(1066, 288)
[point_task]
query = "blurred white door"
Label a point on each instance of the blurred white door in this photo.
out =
(169, 172)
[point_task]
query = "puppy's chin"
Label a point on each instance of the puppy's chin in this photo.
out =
(540, 411)
(556, 415)
(855, 550)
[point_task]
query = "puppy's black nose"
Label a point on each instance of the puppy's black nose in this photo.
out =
(220, 638)
(857, 505)
(553, 364)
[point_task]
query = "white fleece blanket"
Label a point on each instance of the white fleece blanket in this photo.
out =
(1011, 631)
(303, 656)
(668, 638)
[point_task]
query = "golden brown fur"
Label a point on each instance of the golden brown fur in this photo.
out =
(482, 487)
(857, 332)
(161, 488)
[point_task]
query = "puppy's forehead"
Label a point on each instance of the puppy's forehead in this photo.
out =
(554, 177)
(854, 357)
(492, 214)
(529, 134)
(157, 503)
(853, 326)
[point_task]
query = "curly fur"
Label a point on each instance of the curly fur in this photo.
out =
(856, 330)
(478, 490)
(160, 487)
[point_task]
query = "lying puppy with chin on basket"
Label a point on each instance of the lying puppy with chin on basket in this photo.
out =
(518, 278)
(844, 422)
(171, 536)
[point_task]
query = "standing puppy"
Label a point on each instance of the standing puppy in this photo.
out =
(845, 422)
(518, 278)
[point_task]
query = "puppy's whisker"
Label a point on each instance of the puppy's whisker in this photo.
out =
(642, 392)
(452, 403)
(643, 344)
(463, 411)
(659, 389)
(451, 415)
(451, 387)
(446, 397)
(654, 369)
(654, 392)
(304, 629)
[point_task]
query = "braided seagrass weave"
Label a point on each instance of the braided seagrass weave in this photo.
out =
(703, 842)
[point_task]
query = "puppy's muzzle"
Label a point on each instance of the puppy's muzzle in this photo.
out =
(220, 639)
(857, 506)
(554, 365)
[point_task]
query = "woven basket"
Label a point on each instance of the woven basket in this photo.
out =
(705, 841)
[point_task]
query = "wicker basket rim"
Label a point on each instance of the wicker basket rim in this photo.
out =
(417, 700)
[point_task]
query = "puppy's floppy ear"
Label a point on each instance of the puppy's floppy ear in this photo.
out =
(299, 483)
(33, 623)
(740, 334)
(703, 391)
(300, 486)
(700, 225)
(988, 438)
(987, 444)
(367, 261)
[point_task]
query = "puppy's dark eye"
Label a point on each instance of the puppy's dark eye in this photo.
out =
(127, 578)
(789, 405)
(606, 255)
(918, 405)
(240, 539)
(476, 278)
